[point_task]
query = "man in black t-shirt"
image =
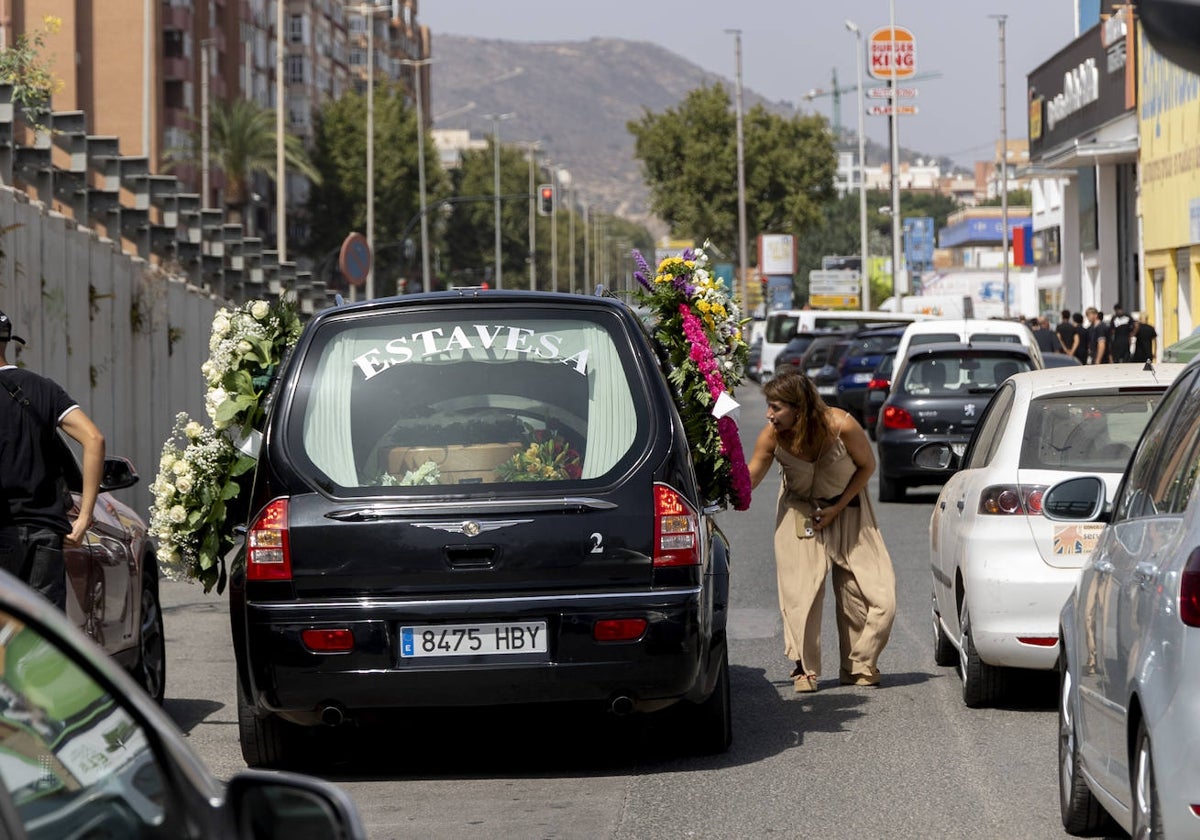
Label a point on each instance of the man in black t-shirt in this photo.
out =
(1119, 327)
(1097, 337)
(33, 510)
(1144, 340)
(1066, 333)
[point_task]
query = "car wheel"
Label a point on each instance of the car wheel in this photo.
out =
(266, 741)
(890, 489)
(1147, 815)
(1081, 813)
(714, 716)
(150, 669)
(943, 651)
(982, 684)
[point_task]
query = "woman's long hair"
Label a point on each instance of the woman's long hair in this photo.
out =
(798, 391)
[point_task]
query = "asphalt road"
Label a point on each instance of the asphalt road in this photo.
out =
(906, 760)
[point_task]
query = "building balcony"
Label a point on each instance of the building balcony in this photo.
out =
(176, 69)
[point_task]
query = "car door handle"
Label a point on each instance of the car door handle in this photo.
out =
(1103, 567)
(1144, 574)
(942, 505)
(959, 505)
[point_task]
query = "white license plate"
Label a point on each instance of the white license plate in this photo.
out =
(860, 378)
(958, 449)
(431, 640)
(827, 390)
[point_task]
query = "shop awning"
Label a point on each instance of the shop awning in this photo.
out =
(1090, 153)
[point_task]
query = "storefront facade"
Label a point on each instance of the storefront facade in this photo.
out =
(1083, 136)
(1169, 134)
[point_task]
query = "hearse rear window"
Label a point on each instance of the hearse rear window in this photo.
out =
(405, 400)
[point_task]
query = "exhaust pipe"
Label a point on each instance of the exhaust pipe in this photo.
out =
(621, 705)
(332, 715)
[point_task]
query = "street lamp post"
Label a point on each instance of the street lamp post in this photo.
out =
(741, 168)
(863, 274)
(533, 147)
(1001, 20)
(496, 120)
(894, 130)
(417, 64)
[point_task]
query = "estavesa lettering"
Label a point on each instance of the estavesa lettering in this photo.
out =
(513, 341)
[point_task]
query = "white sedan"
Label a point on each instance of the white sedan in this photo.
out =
(1001, 570)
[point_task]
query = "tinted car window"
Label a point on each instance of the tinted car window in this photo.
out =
(873, 345)
(932, 338)
(1142, 493)
(1085, 433)
(1003, 338)
(943, 376)
(411, 398)
(74, 761)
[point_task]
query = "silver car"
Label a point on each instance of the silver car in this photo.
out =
(1129, 714)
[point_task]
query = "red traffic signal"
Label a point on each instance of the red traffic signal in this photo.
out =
(545, 199)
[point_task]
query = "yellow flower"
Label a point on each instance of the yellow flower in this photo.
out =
(52, 23)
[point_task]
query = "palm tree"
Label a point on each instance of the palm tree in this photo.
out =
(242, 144)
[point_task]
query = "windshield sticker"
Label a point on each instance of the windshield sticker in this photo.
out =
(478, 342)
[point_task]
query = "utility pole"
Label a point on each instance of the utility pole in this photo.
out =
(496, 120)
(571, 234)
(743, 261)
(864, 275)
(418, 84)
(894, 131)
(532, 216)
(1001, 20)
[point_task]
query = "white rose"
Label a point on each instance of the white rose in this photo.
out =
(184, 483)
(178, 514)
(167, 461)
(181, 467)
(244, 347)
(163, 488)
(193, 430)
(166, 554)
(216, 397)
(260, 309)
(220, 324)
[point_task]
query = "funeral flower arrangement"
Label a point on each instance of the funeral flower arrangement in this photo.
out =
(697, 325)
(548, 457)
(201, 472)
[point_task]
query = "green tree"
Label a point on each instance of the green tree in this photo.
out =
(689, 160)
(22, 66)
(242, 144)
(338, 204)
(1016, 198)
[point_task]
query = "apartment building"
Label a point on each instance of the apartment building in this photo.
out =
(142, 69)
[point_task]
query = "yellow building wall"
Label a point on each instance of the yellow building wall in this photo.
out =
(1169, 157)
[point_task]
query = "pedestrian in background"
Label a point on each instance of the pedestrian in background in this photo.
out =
(1097, 336)
(1067, 334)
(1081, 346)
(34, 502)
(1046, 341)
(1119, 328)
(824, 520)
(1145, 340)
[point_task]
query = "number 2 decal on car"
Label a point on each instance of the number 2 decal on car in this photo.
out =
(597, 543)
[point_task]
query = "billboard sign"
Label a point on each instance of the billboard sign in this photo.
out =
(883, 64)
(776, 253)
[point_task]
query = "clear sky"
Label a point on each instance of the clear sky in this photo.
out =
(791, 46)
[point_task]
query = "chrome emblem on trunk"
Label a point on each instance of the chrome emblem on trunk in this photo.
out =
(470, 527)
(969, 409)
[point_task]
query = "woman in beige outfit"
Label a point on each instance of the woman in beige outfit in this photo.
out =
(824, 520)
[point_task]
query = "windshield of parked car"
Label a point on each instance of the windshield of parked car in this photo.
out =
(944, 376)
(1085, 433)
(416, 397)
(872, 345)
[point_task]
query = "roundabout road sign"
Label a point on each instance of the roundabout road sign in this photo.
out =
(355, 259)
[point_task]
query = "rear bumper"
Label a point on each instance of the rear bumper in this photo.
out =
(662, 666)
(896, 449)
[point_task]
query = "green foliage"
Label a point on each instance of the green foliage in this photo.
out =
(22, 66)
(689, 161)
(1016, 198)
(241, 139)
(338, 205)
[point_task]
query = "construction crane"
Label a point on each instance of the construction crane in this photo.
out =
(835, 91)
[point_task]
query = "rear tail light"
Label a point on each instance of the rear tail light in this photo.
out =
(1012, 500)
(618, 629)
(337, 640)
(268, 553)
(895, 417)
(1189, 590)
(879, 384)
(676, 529)
(1038, 641)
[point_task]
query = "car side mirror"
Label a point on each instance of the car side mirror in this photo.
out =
(1080, 499)
(264, 805)
(117, 474)
(1173, 29)
(936, 456)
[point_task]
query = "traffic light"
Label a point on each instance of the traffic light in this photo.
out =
(545, 199)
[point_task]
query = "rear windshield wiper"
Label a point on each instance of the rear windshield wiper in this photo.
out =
(466, 507)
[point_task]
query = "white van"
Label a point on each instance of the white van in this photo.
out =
(964, 330)
(782, 325)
